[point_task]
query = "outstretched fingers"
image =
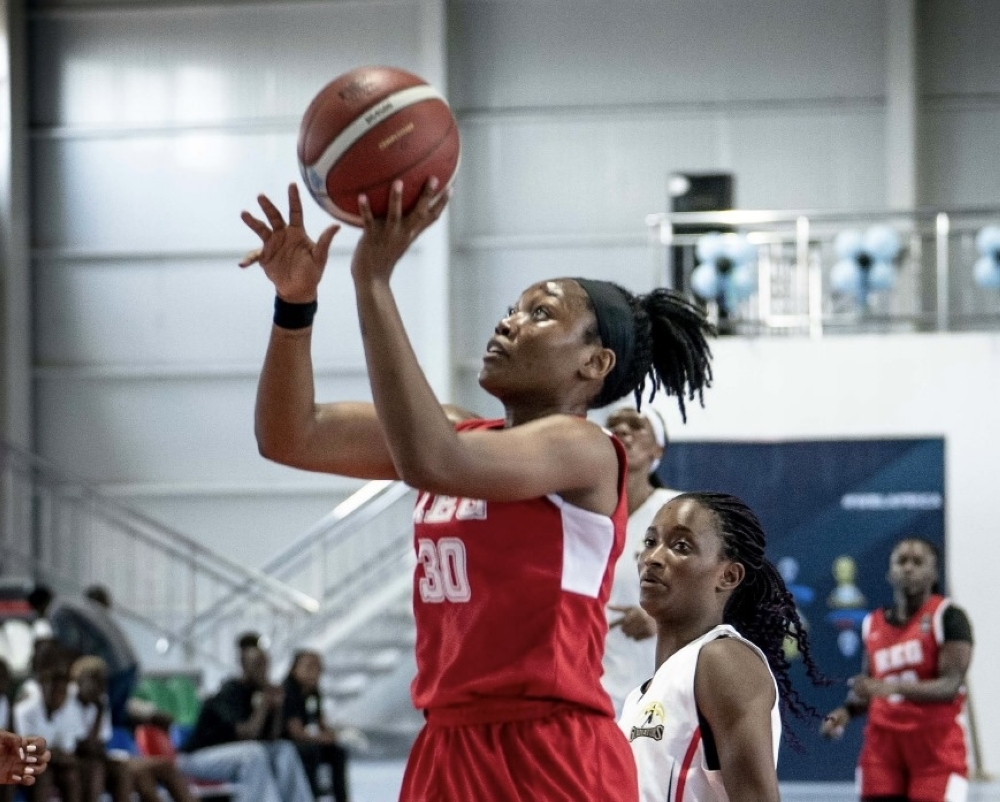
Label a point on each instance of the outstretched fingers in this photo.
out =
(259, 227)
(251, 258)
(294, 206)
(322, 248)
(271, 211)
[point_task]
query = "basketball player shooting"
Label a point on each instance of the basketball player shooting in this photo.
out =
(518, 522)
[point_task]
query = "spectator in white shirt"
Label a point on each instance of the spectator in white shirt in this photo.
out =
(126, 774)
(44, 709)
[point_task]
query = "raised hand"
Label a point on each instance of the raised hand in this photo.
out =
(384, 241)
(289, 258)
(22, 759)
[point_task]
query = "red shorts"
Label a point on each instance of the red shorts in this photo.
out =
(924, 765)
(535, 752)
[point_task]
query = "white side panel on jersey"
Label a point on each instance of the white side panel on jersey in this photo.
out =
(587, 541)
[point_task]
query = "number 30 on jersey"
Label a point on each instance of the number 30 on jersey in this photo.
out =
(445, 576)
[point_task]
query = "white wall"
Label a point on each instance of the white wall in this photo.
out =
(946, 386)
(154, 125)
(574, 113)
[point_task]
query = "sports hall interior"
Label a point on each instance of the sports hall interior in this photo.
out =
(134, 133)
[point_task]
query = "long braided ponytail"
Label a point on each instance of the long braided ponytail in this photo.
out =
(761, 608)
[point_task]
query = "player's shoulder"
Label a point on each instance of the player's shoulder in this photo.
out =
(730, 670)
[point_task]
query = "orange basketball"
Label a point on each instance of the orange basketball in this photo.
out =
(369, 127)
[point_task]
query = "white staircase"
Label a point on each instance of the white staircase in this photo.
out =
(342, 587)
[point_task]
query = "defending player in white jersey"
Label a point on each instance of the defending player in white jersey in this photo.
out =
(706, 727)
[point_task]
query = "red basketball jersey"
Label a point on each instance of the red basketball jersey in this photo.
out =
(509, 597)
(908, 652)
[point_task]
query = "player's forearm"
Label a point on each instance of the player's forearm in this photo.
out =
(941, 689)
(417, 431)
(285, 408)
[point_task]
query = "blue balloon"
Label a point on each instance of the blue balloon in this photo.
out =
(742, 283)
(882, 243)
(988, 241)
(987, 272)
(708, 248)
(845, 278)
(705, 281)
(738, 250)
(881, 276)
(848, 244)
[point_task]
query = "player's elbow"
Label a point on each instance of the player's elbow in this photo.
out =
(281, 450)
(435, 474)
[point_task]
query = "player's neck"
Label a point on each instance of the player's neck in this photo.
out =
(906, 606)
(638, 490)
(671, 637)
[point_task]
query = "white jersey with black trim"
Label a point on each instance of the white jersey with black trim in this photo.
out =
(661, 723)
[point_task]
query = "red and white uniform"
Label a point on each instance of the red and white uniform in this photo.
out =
(911, 749)
(509, 603)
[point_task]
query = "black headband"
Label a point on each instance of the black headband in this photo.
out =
(615, 323)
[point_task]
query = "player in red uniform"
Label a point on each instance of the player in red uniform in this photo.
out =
(519, 521)
(917, 653)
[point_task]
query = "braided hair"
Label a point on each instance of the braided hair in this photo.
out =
(761, 608)
(669, 345)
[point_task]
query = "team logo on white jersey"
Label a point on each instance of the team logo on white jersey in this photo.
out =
(652, 723)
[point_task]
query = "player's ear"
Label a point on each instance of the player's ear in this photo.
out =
(599, 363)
(732, 575)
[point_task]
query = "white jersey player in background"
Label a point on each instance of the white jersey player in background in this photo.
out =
(706, 727)
(630, 648)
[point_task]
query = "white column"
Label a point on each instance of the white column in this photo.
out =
(434, 327)
(15, 287)
(902, 106)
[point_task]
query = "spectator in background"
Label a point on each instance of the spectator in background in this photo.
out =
(248, 640)
(630, 646)
(305, 726)
(237, 738)
(126, 774)
(40, 599)
(42, 709)
(85, 627)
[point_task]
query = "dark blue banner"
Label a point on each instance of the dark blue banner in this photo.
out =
(832, 510)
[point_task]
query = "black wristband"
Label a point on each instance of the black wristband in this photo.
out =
(293, 316)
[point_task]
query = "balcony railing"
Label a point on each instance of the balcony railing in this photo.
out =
(795, 292)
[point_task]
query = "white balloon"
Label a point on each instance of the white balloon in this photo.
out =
(708, 248)
(848, 244)
(987, 272)
(845, 277)
(705, 281)
(882, 243)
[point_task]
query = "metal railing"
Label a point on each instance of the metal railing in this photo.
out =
(342, 561)
(934, 286)
(57, 529)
